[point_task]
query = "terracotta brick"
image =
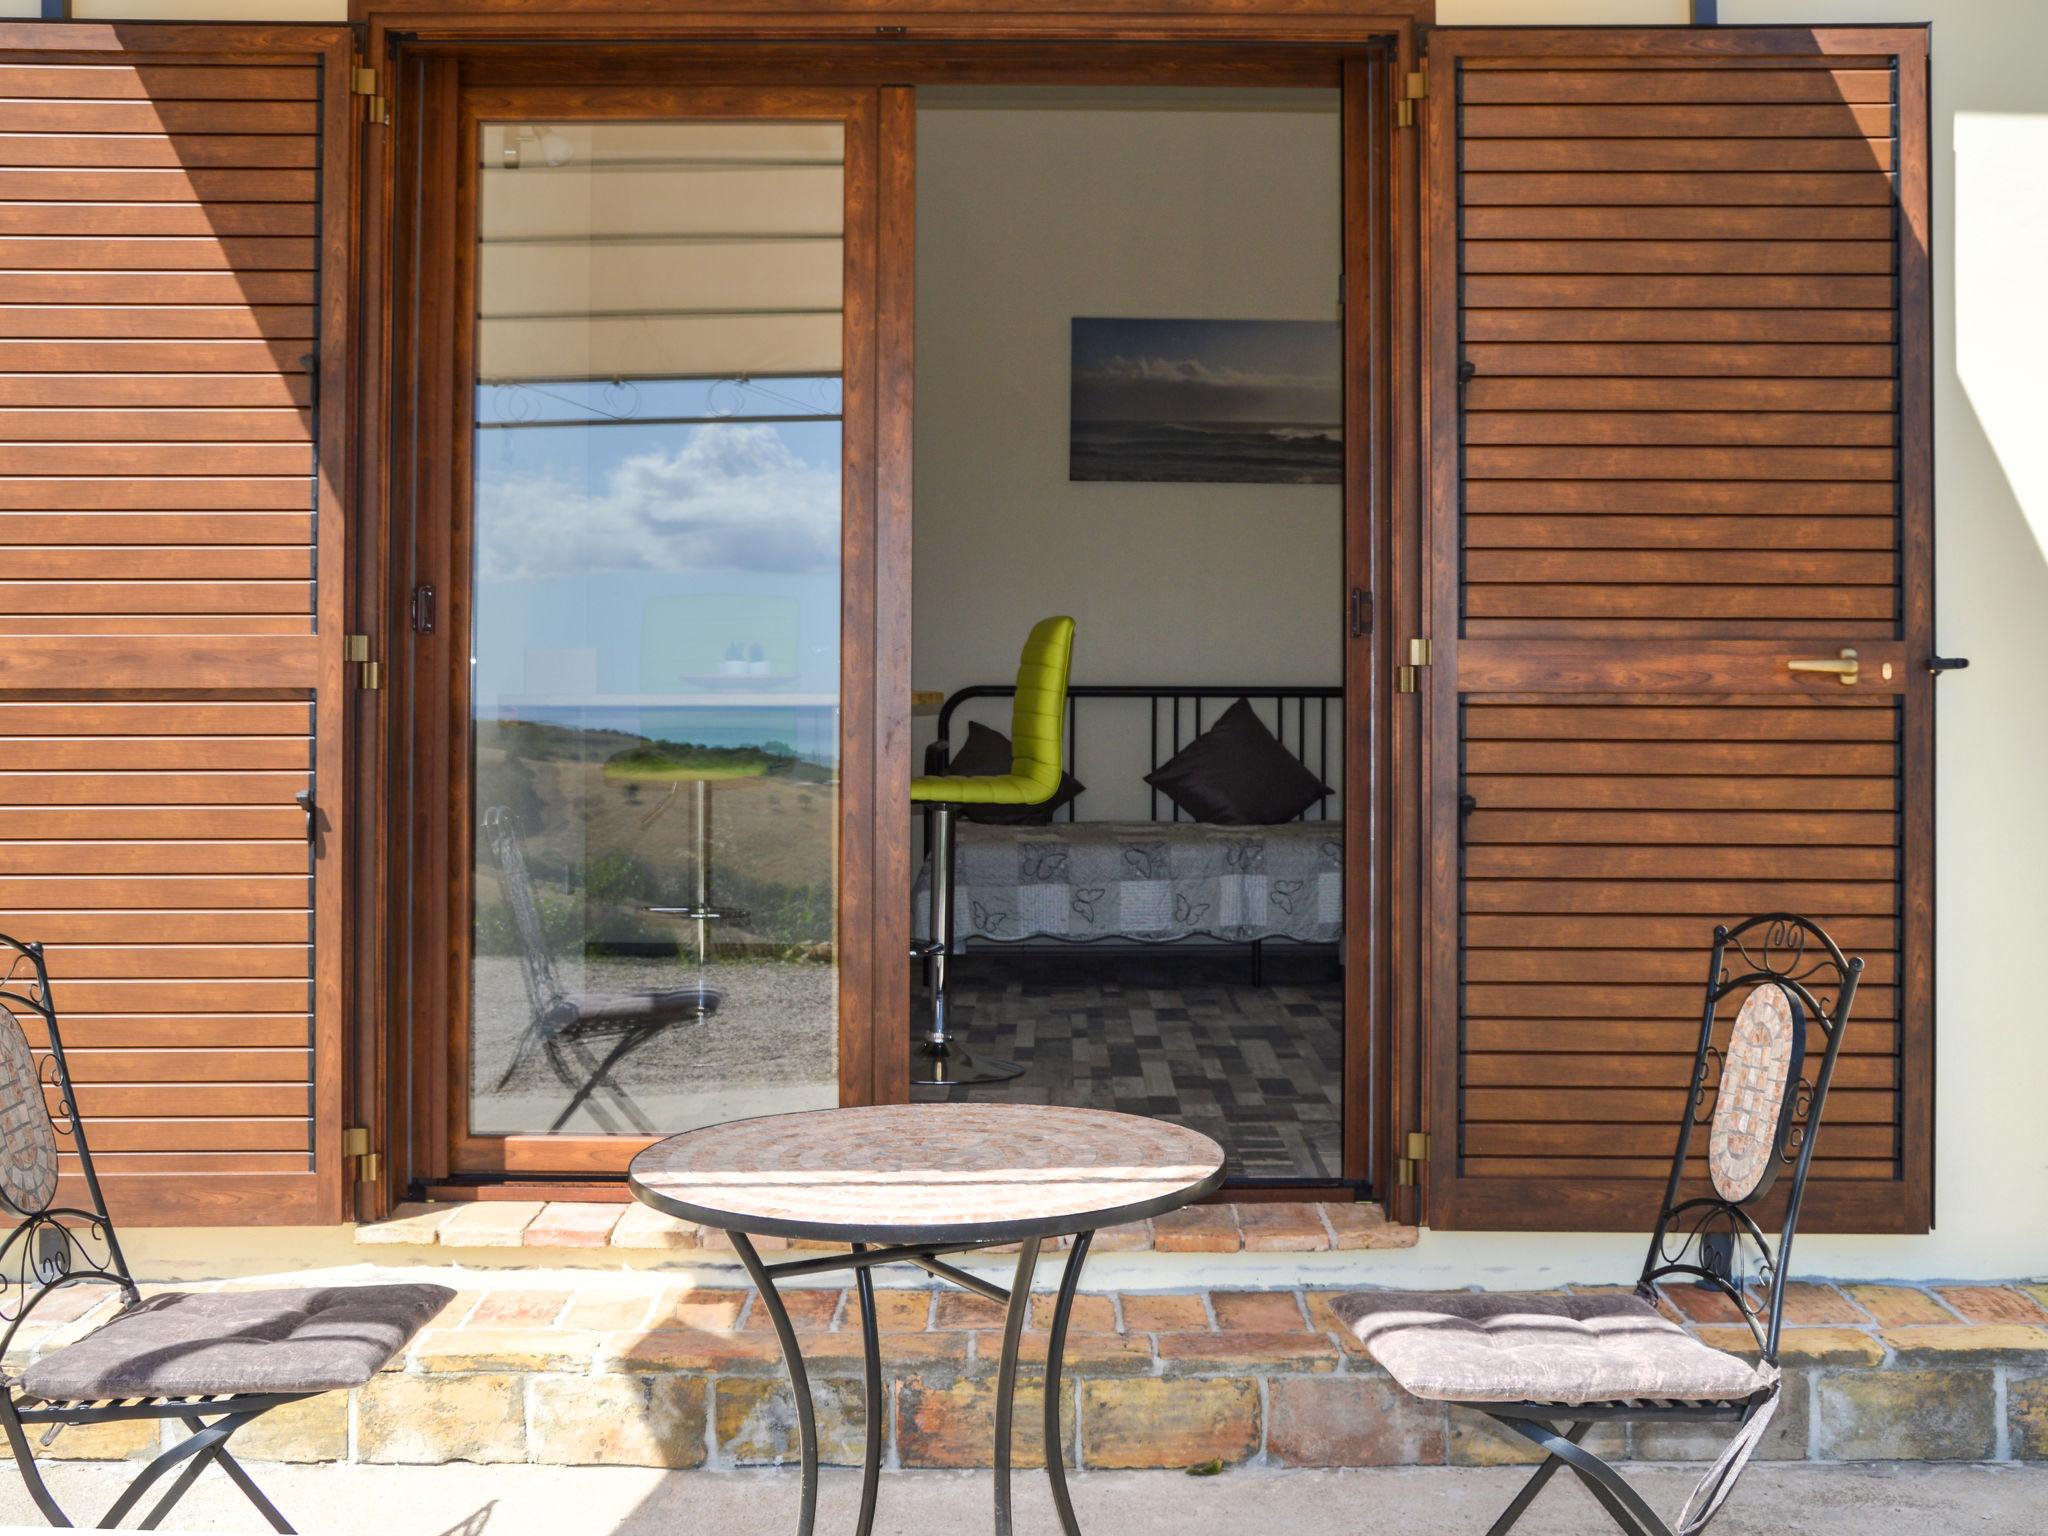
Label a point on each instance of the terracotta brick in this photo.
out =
(700, 1308)
(67, 1305)
(756, 1421)
(936, 1355)
(954, 1424)
(1282, 1226)
(642, 1226)
(1197, 1229)
(412, 1226)
(1905, 1415)
(691, 1349)
(487, 1224)
(432, 1419)
(1993, 1343)
(1090, 1314)
(504, 1349)
(712, 1239)
(964, 1309)
(1900, 1305)
(1992, 1304)
(1477, 1441)
(2026, 1409)
(1364, 1224)
(1828, 1346)
(1257, 1311)
(1808, 1304)
(1086, 1354)
(572, 1224)
(897, 1311)
(457, 1310)
(121, 1440)
(1323, 1319)
(617, 1421)
(517, 1309)
(1172, 1313)
(1734, 1339)
(608, 1311)
(1146, 1422)
(313, 1429)
(1350, 1421)
(1702, 1304)
(1208, 1354)
(811, 1310)
(1131, 1237)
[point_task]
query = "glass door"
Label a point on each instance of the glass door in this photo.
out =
(649, 569)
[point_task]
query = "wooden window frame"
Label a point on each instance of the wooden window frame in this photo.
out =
(1364, 52)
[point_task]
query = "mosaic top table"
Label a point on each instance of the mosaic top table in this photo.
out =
(906, 1183)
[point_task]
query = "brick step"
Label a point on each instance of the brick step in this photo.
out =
(638, 1369)
(1254, 1227)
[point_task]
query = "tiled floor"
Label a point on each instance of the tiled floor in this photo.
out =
(1181, 1037)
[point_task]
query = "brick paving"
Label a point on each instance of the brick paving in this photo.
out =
(647, 1370)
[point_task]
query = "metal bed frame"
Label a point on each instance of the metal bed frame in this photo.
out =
(1174, 716)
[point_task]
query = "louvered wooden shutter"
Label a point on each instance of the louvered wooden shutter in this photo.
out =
(173, 280)
(1678, 435)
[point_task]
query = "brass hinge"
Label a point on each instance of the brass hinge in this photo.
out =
(1418, 658)
(355, 1143)
(1406, 1168)
(1414, 88)
(356, 649)
(362, 81)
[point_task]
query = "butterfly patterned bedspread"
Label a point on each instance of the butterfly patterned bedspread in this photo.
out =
(1149, 881)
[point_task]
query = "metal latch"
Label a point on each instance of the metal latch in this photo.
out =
(355, 1143)
(356, 649)
(1418, 658)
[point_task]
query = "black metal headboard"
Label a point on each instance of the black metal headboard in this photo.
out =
(1181, 724)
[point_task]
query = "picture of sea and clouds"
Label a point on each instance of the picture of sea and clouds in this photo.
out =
(1207, 400)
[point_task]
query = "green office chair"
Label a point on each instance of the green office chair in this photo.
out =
(1037, 759)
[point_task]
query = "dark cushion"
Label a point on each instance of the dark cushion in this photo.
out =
(1237, 774)
(987, 752)
(192, 1344)
(642, 1007)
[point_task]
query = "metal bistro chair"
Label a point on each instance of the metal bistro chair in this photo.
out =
(1550, 1367)
(1037, 759)
(211, 1361)
(563, 1022)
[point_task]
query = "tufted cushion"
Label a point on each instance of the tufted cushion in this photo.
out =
(184, 1344)
(1472, 1347)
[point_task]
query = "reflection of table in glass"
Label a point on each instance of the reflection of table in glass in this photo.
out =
(907, 1183)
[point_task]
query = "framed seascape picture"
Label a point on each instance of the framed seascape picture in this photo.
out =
(1214, 400)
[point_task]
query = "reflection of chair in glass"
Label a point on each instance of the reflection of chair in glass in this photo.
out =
(211, 1361)
(1037, 759)
(564, 1022)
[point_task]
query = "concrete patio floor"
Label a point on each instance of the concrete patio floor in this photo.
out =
(469, 1500)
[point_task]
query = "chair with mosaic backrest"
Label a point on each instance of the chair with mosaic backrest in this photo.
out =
(1548, 1366)
(211, 1361)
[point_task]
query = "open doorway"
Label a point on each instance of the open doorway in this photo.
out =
(1130, 410)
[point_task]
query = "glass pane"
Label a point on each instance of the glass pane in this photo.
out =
(655, 628)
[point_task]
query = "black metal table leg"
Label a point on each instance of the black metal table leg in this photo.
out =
(875, 1405)
(1055, 1348)
(1006, 1376)
(799, 1378)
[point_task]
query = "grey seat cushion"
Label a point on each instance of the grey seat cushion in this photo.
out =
(648, 1007)
(1471, 1347)
(185, 1344)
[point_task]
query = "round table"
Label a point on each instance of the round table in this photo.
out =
(906, 1183)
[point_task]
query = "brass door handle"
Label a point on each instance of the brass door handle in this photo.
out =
(1846, 668)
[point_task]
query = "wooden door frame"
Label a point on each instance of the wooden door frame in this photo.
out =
(1365, 52)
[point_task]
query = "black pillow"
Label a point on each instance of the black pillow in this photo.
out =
(986, 752)
(1237, 774)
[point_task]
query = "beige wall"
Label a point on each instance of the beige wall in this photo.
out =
(1036, 207)
(1991, 222)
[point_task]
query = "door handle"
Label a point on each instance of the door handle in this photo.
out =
(306, 803)
(1845, 668)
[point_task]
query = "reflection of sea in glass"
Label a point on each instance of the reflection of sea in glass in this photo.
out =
(655, 634)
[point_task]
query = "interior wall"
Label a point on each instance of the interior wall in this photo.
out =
(1034, 207)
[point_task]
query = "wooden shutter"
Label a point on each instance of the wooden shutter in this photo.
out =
(174, 224)
(1678, 417)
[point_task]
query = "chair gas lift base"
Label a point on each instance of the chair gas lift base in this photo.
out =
(1038, 759)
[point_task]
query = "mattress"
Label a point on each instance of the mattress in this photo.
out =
(1145, 881)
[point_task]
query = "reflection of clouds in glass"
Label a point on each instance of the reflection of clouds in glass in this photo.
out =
(1189, 370)
(730, 497)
